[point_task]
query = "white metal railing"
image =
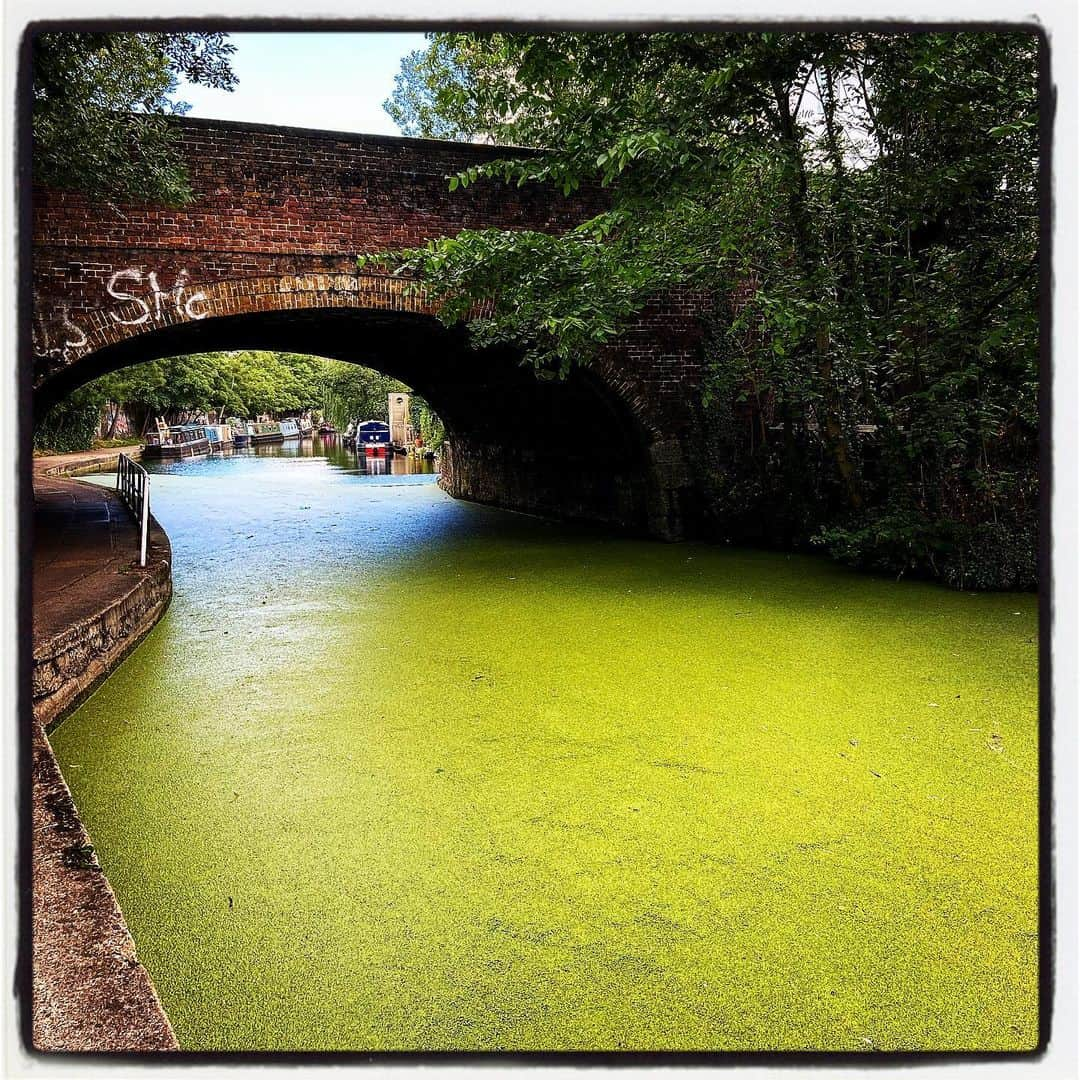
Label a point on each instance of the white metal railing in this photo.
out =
(133, 485)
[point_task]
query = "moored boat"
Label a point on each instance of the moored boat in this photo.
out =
(219, 435)
(177, 441)
(240, 434)
(265, 431)
(374, 437)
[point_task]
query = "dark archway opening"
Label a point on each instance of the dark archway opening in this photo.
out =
(568, 448)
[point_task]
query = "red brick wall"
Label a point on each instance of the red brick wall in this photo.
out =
(277, 206)
(275, 201)
(281, 201)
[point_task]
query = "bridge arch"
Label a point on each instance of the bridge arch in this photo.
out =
(264, 256)
(583, 447)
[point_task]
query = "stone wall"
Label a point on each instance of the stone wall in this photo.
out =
(68, 666)
(646, 499)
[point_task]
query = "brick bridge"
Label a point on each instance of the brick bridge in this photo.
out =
(264, 258)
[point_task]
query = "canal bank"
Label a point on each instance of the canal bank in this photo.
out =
(82, 462)
(91, 607)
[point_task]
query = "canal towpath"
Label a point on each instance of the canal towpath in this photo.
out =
(91, 606)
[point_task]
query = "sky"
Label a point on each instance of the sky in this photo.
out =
(336, 81)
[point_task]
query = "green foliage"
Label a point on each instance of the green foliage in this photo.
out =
(430, 93)
(100, 107)
(986, 555)
(243, 383)
(861, 207)
(70, 425)
(430, 426)
(350, 392)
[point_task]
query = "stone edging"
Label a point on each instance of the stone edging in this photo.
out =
(69, 666)
(90, 461)
(90, 993)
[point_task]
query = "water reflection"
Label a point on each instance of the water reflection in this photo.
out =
(329, 448)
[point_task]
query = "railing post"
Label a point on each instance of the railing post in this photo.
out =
(133, 485)
(144, 524)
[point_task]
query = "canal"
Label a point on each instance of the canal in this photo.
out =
(400, 772)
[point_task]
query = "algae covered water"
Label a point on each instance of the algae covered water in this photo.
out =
(400, 772)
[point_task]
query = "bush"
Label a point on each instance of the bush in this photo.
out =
(70, 425)
(987, 555)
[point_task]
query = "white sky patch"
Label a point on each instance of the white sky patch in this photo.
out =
(336, 81)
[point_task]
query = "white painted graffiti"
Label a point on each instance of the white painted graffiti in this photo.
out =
(139, 299)
(58, 337)
(178, 298)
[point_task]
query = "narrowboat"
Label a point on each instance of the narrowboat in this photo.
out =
(374, 437)
(304, 427)
(219, 435)
(177, 441)
(264, 431)
(239, 429)
(268, 431)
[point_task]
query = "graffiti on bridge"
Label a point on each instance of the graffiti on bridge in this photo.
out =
(136, 298)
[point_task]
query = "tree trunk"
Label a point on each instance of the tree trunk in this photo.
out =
(809, 256)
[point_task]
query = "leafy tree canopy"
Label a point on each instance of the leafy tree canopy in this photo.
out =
(243, 383)
(355, 393)
(862, 210)
(431, 97)
(100, 103)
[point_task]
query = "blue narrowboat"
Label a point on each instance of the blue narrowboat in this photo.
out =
(373, 436)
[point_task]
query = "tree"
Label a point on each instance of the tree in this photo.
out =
(71, 424)
(240, 383)
(101, 103)
(351, 392)
(429, 425)
(862, 208)
(431, 97)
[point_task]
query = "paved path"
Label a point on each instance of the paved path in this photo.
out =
(84, 541)
(90, 606)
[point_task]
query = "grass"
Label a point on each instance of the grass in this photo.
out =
(526, 788)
